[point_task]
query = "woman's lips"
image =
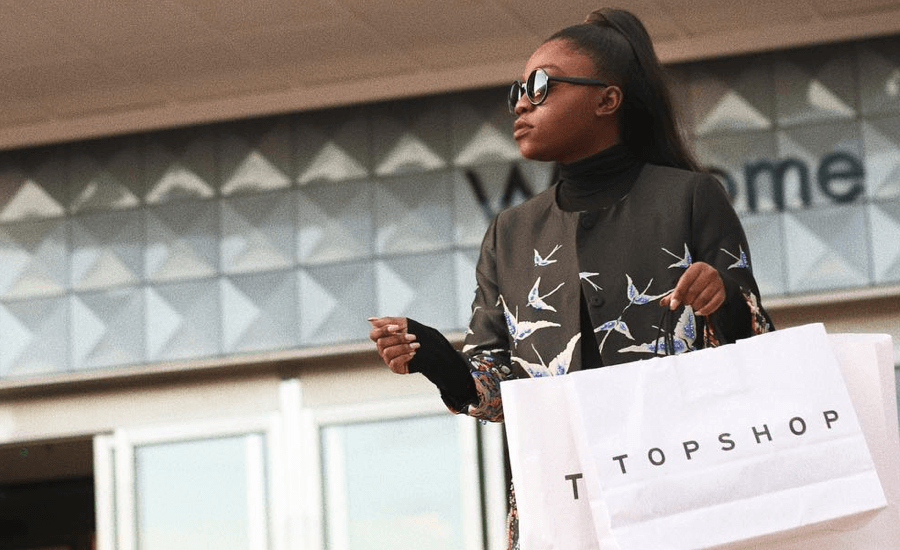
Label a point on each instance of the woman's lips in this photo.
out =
(520, 128)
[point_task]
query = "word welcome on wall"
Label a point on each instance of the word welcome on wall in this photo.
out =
(838, 175)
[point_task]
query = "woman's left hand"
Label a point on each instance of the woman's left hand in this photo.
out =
(700, 287)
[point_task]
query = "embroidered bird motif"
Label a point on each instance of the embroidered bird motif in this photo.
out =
(617, 325)
(641, 298)
(540, 261)
(741, 262)
(586, 276)
(558, 366)
(519, 330)
(685, 261)
(684, 334)
(536, 301)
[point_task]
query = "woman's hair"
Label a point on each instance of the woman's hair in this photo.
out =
(623, 55)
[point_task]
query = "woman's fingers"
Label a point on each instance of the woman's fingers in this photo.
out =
(700, 287)
(395, 346)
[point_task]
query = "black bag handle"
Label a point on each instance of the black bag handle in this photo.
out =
(666, 330)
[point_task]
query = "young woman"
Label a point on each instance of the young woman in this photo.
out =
(571, 278)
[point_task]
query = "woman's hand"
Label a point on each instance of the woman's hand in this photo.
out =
(700, 287)
(395, 346)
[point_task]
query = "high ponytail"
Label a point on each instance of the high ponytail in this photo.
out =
(622, 52)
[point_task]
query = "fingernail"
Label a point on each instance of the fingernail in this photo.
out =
(410, 337)
(673, 305)
(370, 319)
(415, 345)
(393, 328)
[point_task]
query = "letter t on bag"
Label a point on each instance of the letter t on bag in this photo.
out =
(551, 486)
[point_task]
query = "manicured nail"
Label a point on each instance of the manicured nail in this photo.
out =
(410, 337)
(393, 328)
(673, 305)
(415, 345)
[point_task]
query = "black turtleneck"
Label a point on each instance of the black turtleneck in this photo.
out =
(588, 185)
(598, 181)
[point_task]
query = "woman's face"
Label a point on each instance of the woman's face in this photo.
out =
(563, 128)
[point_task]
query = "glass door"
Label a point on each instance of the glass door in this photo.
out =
(211, 484)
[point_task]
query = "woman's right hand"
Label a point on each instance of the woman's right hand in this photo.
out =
(395, 346)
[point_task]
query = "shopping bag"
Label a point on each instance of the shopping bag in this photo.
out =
(551, 498)
(749, 444)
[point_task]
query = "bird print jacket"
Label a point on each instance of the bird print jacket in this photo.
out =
(536, 260)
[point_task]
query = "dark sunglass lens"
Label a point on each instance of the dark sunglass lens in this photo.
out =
(515, 93)
(537, 86)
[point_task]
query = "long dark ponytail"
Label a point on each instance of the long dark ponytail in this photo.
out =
(623, 54)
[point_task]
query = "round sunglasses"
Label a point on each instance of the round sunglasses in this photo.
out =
(537, 85)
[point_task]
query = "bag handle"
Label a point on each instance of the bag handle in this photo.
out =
(666, 330)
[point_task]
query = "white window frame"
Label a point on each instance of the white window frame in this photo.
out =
(303, 426)
(114, 477)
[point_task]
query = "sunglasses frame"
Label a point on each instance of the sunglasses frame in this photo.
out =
(518, 89)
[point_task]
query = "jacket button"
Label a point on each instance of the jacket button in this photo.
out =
(588, 221)
(596, 301)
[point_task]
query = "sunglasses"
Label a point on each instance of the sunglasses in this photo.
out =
(537, 86)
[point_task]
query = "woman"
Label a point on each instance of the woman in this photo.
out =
(568, 279)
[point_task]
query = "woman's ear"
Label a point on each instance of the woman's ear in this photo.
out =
(610, 100)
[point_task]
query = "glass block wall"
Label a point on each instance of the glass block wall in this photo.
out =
(290, 231)
(807, 143)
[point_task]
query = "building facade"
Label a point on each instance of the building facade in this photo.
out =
(183, 312)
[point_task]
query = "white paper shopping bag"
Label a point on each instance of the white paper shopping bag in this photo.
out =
(727, 446)
(548, 477)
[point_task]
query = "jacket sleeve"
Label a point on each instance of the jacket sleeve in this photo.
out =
(487, 346)
(719, 240)
(469, 381)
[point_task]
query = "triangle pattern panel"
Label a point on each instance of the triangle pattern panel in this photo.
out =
(335, 302)
(765, 236)
(256, 156)
(183, 320)
(257, 232)
(106, 176)
(33, 337)
(881, 138)
(884, 220)
(33, 184)
(481, 128)
(827, 249)
(411, 136)
(334, 222)
(879, 76)
(34, 257)
(255, 173)
(421, 287)
(181, 165)
(259, 312)
(332, 163)
(106, 250)
(413, 213)
(30, 201)
(409, 154)
(731, 96)
(107, 329)
(816, 85)
(465, 262)
(489, 144)
(182, 241)
(332, 145)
